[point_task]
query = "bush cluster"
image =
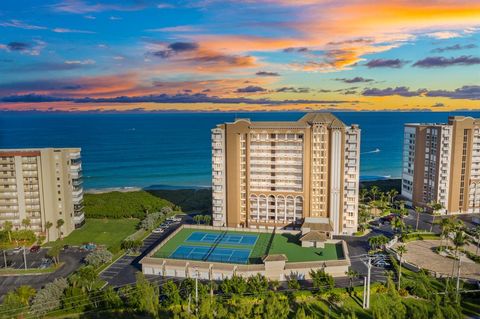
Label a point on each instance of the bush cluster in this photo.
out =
(98, 257)
(123, 204)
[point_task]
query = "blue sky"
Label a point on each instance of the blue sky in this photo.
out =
(82, 55)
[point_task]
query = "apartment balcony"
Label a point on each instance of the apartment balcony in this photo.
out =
(9, 216)
(6, 160)
(7, 174)
(217, 145)
(75, 155)
(9, 188)
(77, 182)
(31, 194)
(7, 168)
(30, 174)
(8, 195)
(77, 200)
(78, 207)
(32, 207)
(75, 167)
(30, 182)
(76, 193)
(29, 167)
(8, 181)
(8, 201)
(9, 208)
(76, 174)
(79, 221)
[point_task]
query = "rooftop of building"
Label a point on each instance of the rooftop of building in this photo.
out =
(450, 120)
(304, 122)
(35, 151)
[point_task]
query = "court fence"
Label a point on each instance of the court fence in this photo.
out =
(184, 266)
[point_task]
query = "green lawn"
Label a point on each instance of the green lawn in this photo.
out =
(289, 245)
(282, 244)
(109, 232)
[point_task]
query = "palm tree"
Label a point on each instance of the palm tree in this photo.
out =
(477, 233)
(363, 194)
(435, 208)
(48, 225)
(391, 195)
(374, 191)
(398, 225)
(445, 228)
(60, 223)
(351, 274)
(400, 250)
(8, 226)
(26, 222)
(25, 293)
(458, 241)
(418, 210)
(207, 219)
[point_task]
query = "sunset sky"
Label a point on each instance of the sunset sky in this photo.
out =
(104, 55)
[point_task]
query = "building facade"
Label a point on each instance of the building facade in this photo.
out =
(441, 163)
(42, 186)
(276, 174)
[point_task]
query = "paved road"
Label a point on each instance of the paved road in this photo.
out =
(123, 271)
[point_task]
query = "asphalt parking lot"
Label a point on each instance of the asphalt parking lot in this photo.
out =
(71, 259)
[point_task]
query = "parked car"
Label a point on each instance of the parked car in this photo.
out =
(376, 223)
(88, 247)
(16, 250)
(46, 263)
(35, 249)
(158, 230)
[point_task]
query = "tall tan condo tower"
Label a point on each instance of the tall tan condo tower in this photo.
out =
(441, 163)
(281, 174)
(42, 185)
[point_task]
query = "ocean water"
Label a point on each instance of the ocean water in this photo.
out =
(172, 150)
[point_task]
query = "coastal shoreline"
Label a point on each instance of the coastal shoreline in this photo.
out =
(384, 182)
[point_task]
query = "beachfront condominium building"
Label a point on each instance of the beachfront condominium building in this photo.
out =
(41, 186)
(441, 164)
(279, 174)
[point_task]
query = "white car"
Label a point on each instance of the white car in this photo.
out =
(158, 231)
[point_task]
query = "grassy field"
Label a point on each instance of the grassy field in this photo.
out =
(281, 244)
(108, 232)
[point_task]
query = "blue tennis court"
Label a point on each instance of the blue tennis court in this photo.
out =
(216, 254)
(220, 238)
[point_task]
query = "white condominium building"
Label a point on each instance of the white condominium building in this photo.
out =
(41, 185)
(441, 163)
(276, 174)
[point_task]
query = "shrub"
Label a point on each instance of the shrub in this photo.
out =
(98, 257)
(49, 298)
(122, 204)
(131, 245)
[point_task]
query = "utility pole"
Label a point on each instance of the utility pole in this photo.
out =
(364, 293)
(5, 258)
(367, 294)
(196, 292)
(458, 276)
(24, 257)
(369, 265)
